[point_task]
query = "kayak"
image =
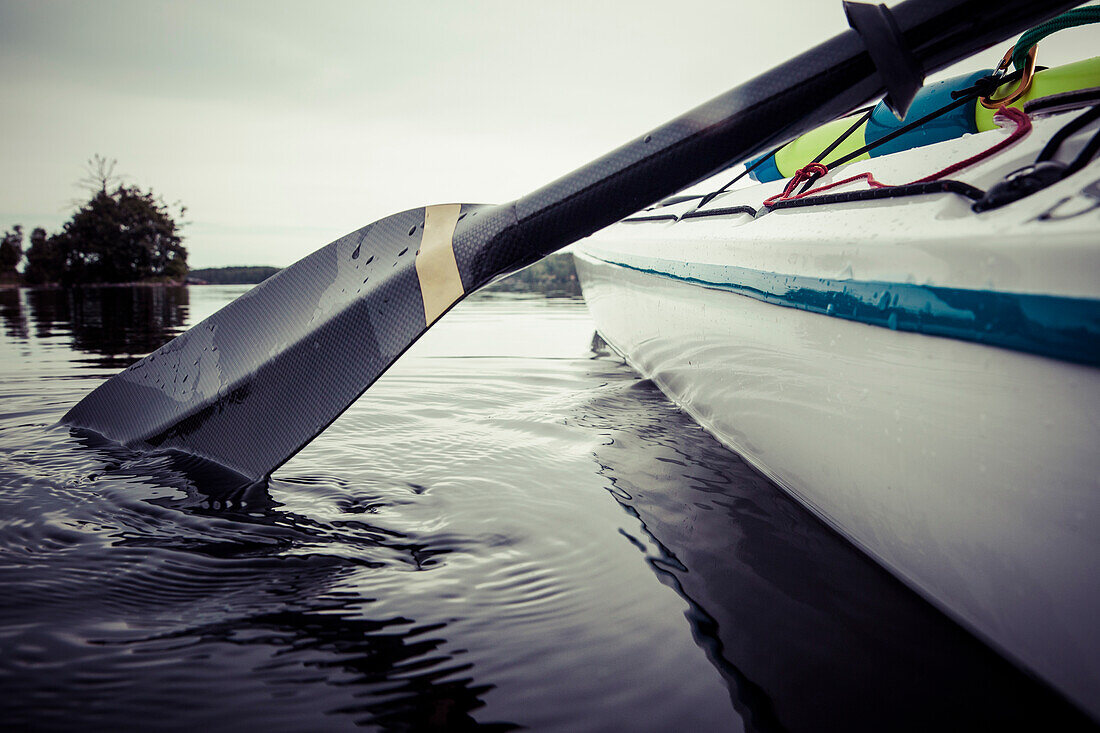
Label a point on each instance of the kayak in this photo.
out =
(919, 368)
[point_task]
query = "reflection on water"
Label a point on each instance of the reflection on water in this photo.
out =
(11, 310)
(114, 324)
(803, 626)
(506, 531)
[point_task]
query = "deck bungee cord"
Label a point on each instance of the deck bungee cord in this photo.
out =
(816, 168)
(1017, 184)
(815, 171)
(952, 119)
(810, 173)
(1045, 171)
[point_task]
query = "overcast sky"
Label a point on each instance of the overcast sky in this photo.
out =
(282, 126)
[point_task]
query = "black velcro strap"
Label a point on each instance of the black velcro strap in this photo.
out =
(901, 74)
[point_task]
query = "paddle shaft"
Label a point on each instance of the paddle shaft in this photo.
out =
(820, 84)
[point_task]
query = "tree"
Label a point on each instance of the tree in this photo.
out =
(121, 236)
(11, 253)
(99, 175)
(45, 260)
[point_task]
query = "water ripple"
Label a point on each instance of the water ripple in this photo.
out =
(502, 532)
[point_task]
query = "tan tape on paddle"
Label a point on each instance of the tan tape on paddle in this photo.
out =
(440, 284)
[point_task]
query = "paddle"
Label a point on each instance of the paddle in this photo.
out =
(255, 382)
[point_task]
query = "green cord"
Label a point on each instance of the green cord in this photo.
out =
(1068, 19)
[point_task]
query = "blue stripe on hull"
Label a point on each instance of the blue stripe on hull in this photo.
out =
(1054, 326)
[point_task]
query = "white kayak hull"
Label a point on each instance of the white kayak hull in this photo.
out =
(970, 470)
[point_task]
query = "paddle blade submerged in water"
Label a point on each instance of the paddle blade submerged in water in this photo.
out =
(256, 381)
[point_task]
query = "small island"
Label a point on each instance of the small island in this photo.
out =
(122, 234)
(126, 235)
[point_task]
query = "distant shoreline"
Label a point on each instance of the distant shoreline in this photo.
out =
(553, 275)
(231, 275)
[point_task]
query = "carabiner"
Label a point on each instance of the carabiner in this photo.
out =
(1025, 80)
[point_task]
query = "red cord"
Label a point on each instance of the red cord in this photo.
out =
(1023, 127)
(862, 176)
(811, 172)
(817, 170)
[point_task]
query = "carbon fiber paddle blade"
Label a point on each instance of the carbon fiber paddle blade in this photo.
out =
(253, 383)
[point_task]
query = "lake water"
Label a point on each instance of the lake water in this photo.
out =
(507, 531)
